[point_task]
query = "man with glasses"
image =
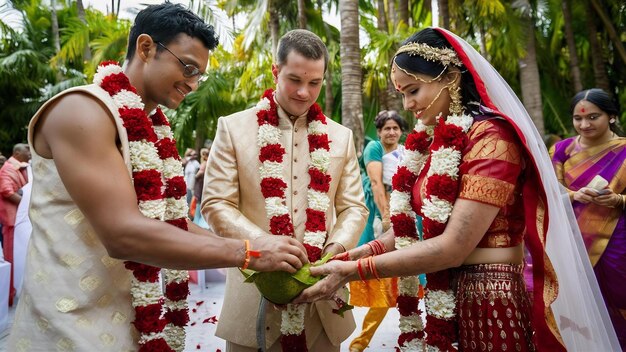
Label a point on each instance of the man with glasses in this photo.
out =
(109, 196)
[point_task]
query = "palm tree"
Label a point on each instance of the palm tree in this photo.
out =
(352, 106)
(529, 71)
(571, 45)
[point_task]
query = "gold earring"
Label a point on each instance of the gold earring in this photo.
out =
(456, 107)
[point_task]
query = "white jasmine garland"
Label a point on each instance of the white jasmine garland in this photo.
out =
(316, 127)
(411, 323)
(176, 208)
(275, 206)
(437, 209)
(400, 202)
(292, 319)
(445, 161)
(152, 336)
(163, 132)
(104, 71)
(271, 169)
(144, 156)
(409, 285)
(171, 168)
(153, 209)
(404, 242)
(146, 293)
(128, 99)
(268, 134)
(318, 200)
(320, 159)
(415, 345)
(263, 104)
(315, 238)
(463, 121)
(414, 160)
(441, 304)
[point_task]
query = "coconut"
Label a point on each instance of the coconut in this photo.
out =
(281, 287)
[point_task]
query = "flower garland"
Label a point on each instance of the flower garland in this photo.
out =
(158, 180)
(438, 150)
(273, 186)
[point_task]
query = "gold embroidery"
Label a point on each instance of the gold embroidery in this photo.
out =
(41, 277)
(89, 283)
(107, 339)
(74, 217)
(43, 324)
(108, 261)
(65, 344)
(118, 318)
(51, 235)
(90, 238)
(83, 322)
(66, 304)
(104, 301)
(486, 189)
(493, 148)
(71, 260)
(23, 345)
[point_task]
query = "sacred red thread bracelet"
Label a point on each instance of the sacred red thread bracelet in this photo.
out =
(249, 253)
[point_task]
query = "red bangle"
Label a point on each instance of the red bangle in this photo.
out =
(360, 270)
(377, 247)
(373, 269)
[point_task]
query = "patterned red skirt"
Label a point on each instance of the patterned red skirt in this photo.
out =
(493, 308)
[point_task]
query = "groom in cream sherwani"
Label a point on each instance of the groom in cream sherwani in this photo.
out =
(234, 205)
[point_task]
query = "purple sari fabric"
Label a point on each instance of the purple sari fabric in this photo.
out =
(575, 168)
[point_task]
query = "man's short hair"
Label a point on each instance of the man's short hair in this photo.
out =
(20, 147)
(163, 22)
(305, 43)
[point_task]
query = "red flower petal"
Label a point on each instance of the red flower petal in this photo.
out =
(281, 225)
(177, 291)
(175, 187)
(166, 148)
(313, 253)
(403, 180)
(180, 223)
(148, 185)
(138, 126)
(143, 272)
(179, 317)
(404, 226)
(272, 152)
(273, 187)
(319, 180)
(318, 141)
(159, 118)
(315, 220)
(116, 82)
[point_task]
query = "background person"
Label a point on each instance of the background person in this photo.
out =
(598, 149)
(13, 176)
(381, 159)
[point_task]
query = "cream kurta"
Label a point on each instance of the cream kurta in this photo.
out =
(75, 297)
(234, 207)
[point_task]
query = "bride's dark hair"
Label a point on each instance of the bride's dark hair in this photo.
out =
(419, 65)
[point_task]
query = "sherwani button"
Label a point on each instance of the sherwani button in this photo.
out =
(295, 193)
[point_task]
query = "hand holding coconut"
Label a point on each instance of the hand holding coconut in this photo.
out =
(275, 253)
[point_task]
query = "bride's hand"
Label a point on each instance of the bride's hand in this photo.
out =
(337, 273)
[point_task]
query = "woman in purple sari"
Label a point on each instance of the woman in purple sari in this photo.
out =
(598, 150)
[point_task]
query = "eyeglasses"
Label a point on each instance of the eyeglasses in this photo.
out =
(189, 71)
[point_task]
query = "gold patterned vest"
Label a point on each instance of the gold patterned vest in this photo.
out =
(75, 297)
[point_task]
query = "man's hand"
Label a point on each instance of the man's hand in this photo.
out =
(278, 253)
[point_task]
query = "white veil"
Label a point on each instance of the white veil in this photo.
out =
(579, 309)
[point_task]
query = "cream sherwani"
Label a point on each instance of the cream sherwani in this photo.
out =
(234, 207)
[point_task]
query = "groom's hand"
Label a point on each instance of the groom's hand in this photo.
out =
(277, 253)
